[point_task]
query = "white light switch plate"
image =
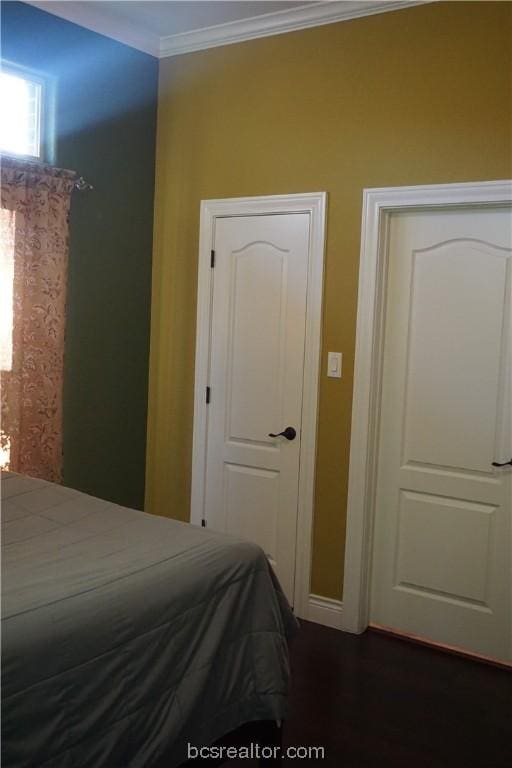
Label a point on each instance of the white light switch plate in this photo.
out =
(334, 365)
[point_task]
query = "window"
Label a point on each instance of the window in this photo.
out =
(6, 287)
(6, 311)
(21, 103)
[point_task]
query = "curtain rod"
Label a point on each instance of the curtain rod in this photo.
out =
(82, 185)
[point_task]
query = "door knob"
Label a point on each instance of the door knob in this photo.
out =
(289, 433)
(503, 464)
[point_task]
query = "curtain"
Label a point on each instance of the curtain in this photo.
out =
(35, 202)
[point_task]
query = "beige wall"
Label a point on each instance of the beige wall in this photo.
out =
(418, 96)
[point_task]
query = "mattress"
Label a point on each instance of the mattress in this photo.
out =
(126, 636)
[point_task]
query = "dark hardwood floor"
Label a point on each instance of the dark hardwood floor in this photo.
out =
(374, 701)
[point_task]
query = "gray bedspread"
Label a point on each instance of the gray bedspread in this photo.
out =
(126, 635)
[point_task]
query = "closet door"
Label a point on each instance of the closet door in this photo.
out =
(441, 564)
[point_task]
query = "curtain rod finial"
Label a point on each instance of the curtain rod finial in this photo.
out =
(82, 185)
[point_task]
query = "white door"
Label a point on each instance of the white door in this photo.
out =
(256, 380)
(441, 565)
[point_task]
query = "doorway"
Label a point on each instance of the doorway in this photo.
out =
(257, 368)
(430, 504)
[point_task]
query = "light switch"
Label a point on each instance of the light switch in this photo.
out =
(334, 365)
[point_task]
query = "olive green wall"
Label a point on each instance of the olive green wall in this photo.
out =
(417, 96)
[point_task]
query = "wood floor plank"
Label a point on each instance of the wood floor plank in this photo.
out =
(375, 701)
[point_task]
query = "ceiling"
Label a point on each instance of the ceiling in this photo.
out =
(171, 18)
(170, 27)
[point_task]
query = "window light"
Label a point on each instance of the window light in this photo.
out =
(6, 287)
(20, 103)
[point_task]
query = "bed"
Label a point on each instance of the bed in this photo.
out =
(127, 636)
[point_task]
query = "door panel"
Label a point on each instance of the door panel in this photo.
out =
(252, 505)
(256, 375)
(451, 413)
(429, 532)
(441, 559)
(258, 300)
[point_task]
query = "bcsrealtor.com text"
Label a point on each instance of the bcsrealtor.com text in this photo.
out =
(254, 751)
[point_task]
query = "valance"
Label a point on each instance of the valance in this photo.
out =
(22, 173)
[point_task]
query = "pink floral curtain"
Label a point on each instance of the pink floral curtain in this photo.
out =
(35, 201)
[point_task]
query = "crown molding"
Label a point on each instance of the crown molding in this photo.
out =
(277, 23)
(87, 15)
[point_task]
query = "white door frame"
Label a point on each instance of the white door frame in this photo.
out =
(378, 204)
(315, 205)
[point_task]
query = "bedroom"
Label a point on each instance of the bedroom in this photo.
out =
(415, 96)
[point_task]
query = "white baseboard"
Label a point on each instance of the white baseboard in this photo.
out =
(325, 610)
